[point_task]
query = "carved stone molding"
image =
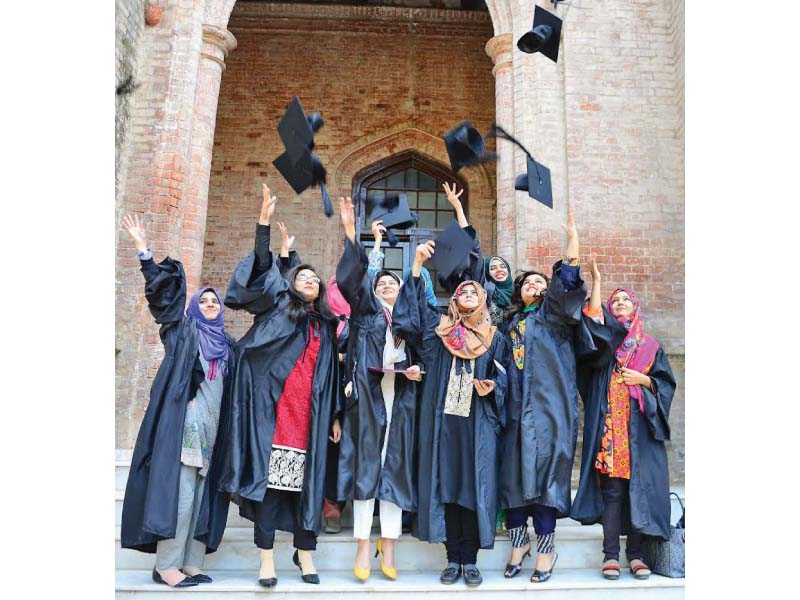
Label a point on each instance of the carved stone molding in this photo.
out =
(217, 44)
(500, 50)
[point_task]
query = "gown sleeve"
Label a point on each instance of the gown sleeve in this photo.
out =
(165, 290)
(353, 279)
(414, 320)
(657, 403)
(597, 342)
(565, 295)
(476, 258)
(256, 284)
(499, 373)
(287, 263)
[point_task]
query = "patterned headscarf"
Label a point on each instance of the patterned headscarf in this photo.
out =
(338, 304)
(467, 335)
(638, 349)
(213, 343)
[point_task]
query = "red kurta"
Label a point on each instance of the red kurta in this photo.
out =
(292, 420)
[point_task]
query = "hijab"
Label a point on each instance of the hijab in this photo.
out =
(213, 342)
(502, 289)
(466, 335)
(338, 304)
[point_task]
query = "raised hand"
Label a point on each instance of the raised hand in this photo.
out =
(455, 201)
(595, 303)
(594, 269)
(267, 205)
(286, 240)
(377, 232)
(136, 229)
(572, 235)
(423, 253)
(483, 386)
(348, 215)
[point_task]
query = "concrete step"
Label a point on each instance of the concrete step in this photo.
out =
(578, 547)
(565, 584)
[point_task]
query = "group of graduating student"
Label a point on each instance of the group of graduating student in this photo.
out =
(364, 391)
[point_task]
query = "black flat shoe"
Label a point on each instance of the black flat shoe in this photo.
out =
(544, 575)
(268, 583)
(199, 578)
(472, 577)
(312, 578)
(187, 582)
(450, 575)
(513, 570)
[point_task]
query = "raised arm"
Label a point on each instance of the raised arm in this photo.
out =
(455, 201)
(376, 256)
(413, 319)
(351, 272)
(256, 283)
(567, 291)
(288, 258)
(595, 309)
(476, 270)
(165, 283)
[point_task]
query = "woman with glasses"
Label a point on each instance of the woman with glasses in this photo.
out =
(461, 413)
(379, 432)
(542, 412)
(285, 401)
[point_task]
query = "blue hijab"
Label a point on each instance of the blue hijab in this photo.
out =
(213, 343)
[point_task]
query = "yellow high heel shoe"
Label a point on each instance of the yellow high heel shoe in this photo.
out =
(361, 574)
(390, 572)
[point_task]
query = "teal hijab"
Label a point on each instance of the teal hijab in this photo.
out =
(502, 289)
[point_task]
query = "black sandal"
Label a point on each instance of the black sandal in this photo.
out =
(544, 575)
(513, 570)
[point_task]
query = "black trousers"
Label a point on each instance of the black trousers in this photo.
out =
(279, 503)
(461, 527)
(616, 517)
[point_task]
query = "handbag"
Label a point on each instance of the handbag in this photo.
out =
(668, 557)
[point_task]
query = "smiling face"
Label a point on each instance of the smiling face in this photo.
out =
(532, 287)
(209, 305)
(467, 298)
(306, 283)
(387, 289)
(497, 270)
(621, 305)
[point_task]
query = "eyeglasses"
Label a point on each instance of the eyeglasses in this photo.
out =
(311, 278)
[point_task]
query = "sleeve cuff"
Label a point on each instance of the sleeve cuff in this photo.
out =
(146, 255)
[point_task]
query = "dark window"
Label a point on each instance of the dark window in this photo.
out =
(421, 180)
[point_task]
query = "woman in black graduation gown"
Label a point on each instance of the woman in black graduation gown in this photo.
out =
(627, 387)
(284, 401)
(460, 418)
(542, 413)
(172, 504)
(379, 435)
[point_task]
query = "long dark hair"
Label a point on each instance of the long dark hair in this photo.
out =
(517, 305)
(298, 306)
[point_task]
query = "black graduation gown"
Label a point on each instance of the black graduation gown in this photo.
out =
(265, 357)
(538, 446)
(649, 483)
(360, 475)
(416, 322)
(150, 507)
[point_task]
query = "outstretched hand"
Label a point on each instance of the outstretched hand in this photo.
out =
(377, 231)
(136, 229)
(570, 228)
(425, 251)
(286, 239)
(267, 205)
(594, 269)
(348, 215)
(453, 198)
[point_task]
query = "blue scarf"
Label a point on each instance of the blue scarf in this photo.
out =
(213, 343)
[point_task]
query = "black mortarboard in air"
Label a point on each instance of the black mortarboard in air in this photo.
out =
(393, 210)
(305, 173)
(536, 181)
(465, 146)
(297, 130)
(544, 36)
(451, 253)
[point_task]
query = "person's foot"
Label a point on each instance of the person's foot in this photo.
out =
(387, 552)
(304, 562)
(472, 576)
(514, 565)
(333, 525)
(544, 562)
(610, 568)
(638, 569)
(266, 574)
(362, 554)
(450, 574)
(172, 577)
(196, 574)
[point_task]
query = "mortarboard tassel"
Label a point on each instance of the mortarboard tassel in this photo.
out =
(326, 201)
(391, 238)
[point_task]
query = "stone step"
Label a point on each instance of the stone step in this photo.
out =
(566, 584)
(578, 547)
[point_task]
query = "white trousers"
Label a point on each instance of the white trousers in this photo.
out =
(391, 515)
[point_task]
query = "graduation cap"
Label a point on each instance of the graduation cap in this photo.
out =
(465, 147)
(536, 179)
(393, 210)
(305, 173)
(544, 36)
(451, 253)
(297, 130)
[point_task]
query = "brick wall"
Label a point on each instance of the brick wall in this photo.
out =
(370, 80)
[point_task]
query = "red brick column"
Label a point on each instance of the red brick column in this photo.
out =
(499, 48)
(217, 44)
